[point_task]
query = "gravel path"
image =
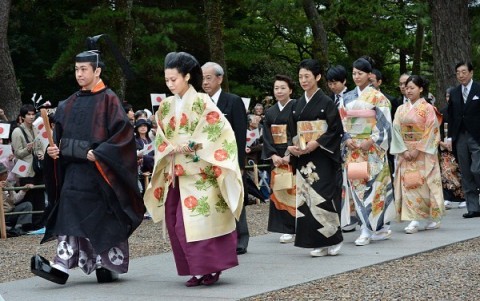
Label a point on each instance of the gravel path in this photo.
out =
(449, 273)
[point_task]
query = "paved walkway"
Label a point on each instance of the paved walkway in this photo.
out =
(267, 266)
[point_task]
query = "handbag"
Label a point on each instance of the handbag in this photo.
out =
(37, 164)
(357, 171)
(412, 178)
(283, 178)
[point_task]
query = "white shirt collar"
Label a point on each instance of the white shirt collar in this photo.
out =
(469, 85)
(216, 96)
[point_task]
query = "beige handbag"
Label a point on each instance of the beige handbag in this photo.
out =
(412, 178)
(357, 171)
(283, 179)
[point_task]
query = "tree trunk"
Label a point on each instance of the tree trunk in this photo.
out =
(213, 15)
(419, 41)
(125, 34)
(10, 98)
(319, 43)
(450, 40)
(403, 61)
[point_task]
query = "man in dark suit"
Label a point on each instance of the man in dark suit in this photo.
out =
(233, 108)
(402, 81)
(464, 128)
(337, 83)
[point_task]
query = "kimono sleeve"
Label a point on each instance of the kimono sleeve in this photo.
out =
(381, 133)
(331, 139)
(431, 134)
(268, 145)
(398, 145)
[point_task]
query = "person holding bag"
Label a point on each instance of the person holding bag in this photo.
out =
(318, 165)
(418, 183)
(277, 136)
(366, 178)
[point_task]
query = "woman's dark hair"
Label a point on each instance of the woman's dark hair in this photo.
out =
(311, 65)
(185, 63)
(127, 107)
(286, 79)
(362, 65)
(369, 59)
(336, 74)
(420, 82)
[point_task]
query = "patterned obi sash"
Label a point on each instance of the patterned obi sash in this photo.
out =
(360, 123)
(279, 133)
(310, 130)
(412, 132)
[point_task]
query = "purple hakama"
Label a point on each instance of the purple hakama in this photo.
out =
(198, 257)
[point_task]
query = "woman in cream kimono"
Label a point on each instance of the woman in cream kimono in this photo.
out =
(196, 184)
(367, 124)
(418, 184)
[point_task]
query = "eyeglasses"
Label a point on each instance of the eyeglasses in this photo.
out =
(401, 84)
(463, 72)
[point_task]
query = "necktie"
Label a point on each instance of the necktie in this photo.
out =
(337, 100)
(465, 94)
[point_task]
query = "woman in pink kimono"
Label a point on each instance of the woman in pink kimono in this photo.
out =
(418, 184)
(196, 184)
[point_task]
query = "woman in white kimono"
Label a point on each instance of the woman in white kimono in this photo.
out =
(196, 183)
(367, 124)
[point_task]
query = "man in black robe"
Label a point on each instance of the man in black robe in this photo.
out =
(91, 180)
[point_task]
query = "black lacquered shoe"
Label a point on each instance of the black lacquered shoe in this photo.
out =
(105, 276)
(42, 268)
(471, 214)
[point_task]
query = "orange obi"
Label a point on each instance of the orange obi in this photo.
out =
(279, 133)
(310, 130)
(412, 131)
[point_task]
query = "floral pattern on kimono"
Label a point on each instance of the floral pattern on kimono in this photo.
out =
(373, 197)
(416, 126)
(211, 188)
(451, 176)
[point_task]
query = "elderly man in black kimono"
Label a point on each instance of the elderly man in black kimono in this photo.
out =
(91, 180)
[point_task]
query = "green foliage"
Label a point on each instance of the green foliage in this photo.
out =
(262, 38)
